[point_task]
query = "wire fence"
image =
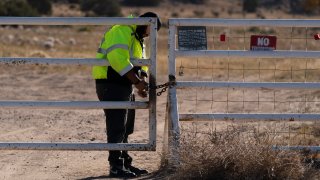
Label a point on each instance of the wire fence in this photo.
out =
(254, 100)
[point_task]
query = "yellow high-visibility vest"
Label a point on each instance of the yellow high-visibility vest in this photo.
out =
(118, 46)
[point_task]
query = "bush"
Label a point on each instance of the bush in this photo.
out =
(141, 2)
(74, 1)
(102, 7)
(192, 1)
(311, 6)
(231, 155)
(250, 5)
(16, 8)
(42, 7)
(67, 1)
(198, 13)
(305, 6)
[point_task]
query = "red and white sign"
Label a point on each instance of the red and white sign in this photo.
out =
(263, 43)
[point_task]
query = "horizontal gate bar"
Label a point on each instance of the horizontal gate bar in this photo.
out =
(76, 146)
(73, 21)
(271, 85)
(66, 61)
(298, 148)
(249, 54)
(245, 22)
(75, 104)
(228, 116)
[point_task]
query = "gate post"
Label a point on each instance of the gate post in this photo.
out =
(172, 127)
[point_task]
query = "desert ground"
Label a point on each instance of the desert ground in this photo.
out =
(19, 125)
(74, 83)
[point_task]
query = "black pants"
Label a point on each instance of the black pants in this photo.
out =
(119, 122)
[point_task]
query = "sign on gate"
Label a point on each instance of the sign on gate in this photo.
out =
(264, 43)
(192, 38)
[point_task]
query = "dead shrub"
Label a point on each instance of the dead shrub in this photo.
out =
(235, 155)
(316, 130)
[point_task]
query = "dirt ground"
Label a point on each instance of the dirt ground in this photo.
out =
(45, 125)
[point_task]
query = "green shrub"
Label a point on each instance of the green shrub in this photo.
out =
(16, 8)
(42, 7)
(141, 2)
(250, 5)
(102, 7)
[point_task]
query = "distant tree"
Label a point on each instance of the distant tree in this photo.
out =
(250, 5)
(192, 1)
(311, 6)
(42, 7)
(67, 1)
(16, 8)
(295, 6)
(304, 6)
(141, 2)
(74, 1)
(102, 7)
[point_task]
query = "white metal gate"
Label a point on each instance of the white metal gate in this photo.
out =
(151, 104)
(173, 110)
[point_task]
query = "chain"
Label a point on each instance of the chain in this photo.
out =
(164, 86)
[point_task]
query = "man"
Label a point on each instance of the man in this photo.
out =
(114, 83)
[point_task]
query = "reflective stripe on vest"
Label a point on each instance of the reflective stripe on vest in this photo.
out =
(121, 46)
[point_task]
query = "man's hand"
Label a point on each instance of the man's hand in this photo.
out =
(143, 93)
(139, 82)
(142, 87)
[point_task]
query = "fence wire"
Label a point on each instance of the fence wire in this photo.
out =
(237, 100)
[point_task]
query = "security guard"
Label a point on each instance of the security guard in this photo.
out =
(114, 83)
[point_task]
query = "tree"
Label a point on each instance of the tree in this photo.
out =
(16, 8)
(42, 7)
(192, 1)
(141, 2)
(250, 5)
(311, 6)
(102, 7)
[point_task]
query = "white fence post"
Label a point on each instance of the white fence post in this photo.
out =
(172, 118)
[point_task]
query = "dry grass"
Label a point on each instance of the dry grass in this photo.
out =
(231, 156)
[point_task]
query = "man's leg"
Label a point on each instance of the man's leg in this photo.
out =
(115, 124)
(129, 130)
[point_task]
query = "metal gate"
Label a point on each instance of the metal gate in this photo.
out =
(174, 117)
(151, 104)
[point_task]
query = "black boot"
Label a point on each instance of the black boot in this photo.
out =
(116, 171)
(128, 164)
(136, 170)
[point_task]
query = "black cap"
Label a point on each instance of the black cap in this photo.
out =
(152, 14)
